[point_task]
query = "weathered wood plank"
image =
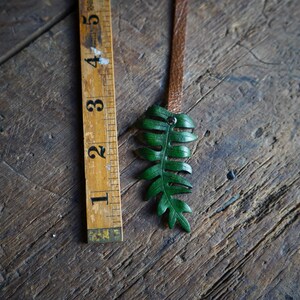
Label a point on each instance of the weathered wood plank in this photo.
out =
(241, 85)
(23, 21)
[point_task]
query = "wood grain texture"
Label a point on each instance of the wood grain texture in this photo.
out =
(21, 22)
(241, 85)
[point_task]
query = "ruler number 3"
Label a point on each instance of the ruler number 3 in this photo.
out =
(91, 104)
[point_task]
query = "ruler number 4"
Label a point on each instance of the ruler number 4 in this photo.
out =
(92, 61)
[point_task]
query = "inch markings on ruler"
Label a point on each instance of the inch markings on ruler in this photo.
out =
(102, 177)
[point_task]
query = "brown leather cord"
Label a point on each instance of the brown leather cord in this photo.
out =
(177, 57)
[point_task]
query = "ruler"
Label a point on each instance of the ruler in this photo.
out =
(103, 199)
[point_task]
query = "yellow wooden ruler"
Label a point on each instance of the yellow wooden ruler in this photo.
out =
(103, 200)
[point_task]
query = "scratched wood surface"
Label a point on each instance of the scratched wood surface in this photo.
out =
(241, 85)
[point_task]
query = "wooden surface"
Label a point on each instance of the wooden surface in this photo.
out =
(242, 78)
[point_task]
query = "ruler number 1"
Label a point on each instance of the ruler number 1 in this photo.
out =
(97, 199)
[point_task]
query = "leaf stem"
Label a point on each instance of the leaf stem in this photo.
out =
(163, 160)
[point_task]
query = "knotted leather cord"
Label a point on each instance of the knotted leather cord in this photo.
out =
(177, 57)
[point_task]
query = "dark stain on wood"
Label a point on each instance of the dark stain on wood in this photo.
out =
(94, 38)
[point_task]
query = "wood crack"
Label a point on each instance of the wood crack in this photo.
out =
(35, 35)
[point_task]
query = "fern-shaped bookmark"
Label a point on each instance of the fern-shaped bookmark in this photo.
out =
(165, 131)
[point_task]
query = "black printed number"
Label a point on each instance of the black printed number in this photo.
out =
(99, 151)
(98, 199)
(92, 61)
(94, 104)
(93, 19)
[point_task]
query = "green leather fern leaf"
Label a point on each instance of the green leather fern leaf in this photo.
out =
(162, 132)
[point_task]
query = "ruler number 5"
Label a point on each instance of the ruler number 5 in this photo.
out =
(91, 104)
(93, 19)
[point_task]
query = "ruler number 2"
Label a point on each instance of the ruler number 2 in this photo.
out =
(99, 151)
